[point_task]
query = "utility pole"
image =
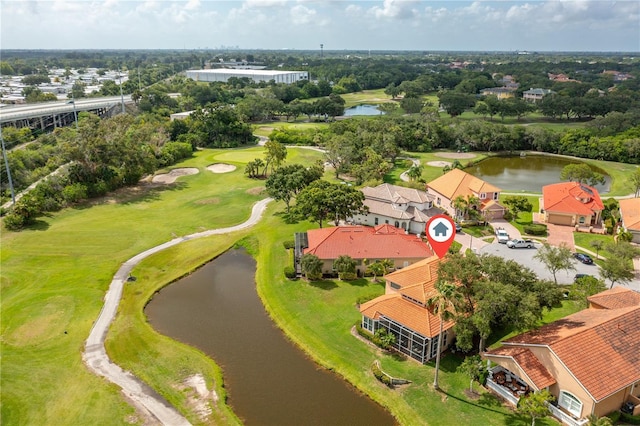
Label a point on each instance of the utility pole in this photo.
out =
(6, 165)
(321, 51)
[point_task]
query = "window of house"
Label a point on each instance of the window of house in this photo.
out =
(368, 323)
(395, 286)
(438, 201)
(496, 196)
(444, 339)
(375, 221)
(581, 220)
(397, 224)
(386, 221)
(434, 347)
(570, 403)
(483, 195)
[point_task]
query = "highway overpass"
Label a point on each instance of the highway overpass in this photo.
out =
(47, 116)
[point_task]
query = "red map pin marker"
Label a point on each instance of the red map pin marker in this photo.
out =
(441, 230)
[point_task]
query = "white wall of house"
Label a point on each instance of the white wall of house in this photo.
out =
(372, 219)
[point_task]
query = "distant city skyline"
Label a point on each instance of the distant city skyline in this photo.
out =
(559, 25)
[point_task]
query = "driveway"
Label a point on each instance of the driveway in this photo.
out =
(558, 235)
(469, 241)
(511, 230)
(525, 257)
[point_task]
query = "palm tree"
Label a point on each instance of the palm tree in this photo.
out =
(415, 172)
(377, 269)
(466, 207)
(345, 266)
(311, 266)
(443, 306)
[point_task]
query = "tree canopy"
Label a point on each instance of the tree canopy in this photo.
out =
(494, 293)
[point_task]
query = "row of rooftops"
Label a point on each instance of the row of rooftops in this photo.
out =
(11, 87)
(603, 338)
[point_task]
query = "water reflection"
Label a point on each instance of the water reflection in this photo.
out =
(269, 380)
(528, 174)
(362, 110)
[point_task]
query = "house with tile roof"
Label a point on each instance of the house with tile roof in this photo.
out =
(457, 183)
(589, 361)
(364, 243)
(404, 311)
(630, 217)
(406, 208)
(571, 204)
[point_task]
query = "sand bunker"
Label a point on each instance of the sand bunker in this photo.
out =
(221, 168)
(174, 174)
(455, 155)
(438, 163)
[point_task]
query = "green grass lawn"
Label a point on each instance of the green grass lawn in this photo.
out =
(372, 97)
(584, 240)
(318, 317)
(55, 274)
(265, 129)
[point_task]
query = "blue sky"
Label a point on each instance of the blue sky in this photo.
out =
(559, 25)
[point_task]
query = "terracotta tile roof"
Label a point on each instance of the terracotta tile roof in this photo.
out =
(598, 346)
(417, 281)
(365, 242)
(630, 212)
(394, 306)
(456, 182)
(617, 297)
(536, 373)
(571, 197)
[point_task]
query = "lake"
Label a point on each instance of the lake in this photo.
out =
(268, 379)
(363, 109)
(526, 174)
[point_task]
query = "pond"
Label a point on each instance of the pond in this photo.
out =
(363, 109)
(269, 380)
(526, 174)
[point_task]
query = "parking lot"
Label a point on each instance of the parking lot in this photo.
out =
(524, 257)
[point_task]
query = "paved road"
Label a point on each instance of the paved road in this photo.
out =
(95, 355)
(525, 257)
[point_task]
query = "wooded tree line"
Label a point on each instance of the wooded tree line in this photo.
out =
(346, 141)
(100, 156)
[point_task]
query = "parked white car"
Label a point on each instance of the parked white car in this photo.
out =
(502, 236)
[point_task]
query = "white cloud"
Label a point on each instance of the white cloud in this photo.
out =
(344, 24)
(396, 9)
(353, 10)
(192, 5)
(251, 4)
(301, 15)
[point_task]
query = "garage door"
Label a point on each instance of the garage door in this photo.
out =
(560, 219)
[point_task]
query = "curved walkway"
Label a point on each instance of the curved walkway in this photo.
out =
(95, 355)
(403, 176)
